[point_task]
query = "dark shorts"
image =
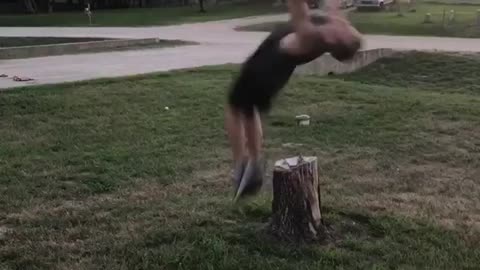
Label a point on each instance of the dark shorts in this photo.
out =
(266, 72)
(262, 76)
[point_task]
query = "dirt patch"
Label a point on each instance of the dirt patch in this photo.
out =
(429, 191)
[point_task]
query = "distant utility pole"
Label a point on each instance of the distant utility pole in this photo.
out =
(89, 14)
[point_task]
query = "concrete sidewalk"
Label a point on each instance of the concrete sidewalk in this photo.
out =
(58, 69)
(219, 44)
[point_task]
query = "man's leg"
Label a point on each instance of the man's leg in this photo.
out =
(254, 135)
(252, 178)
(236, 133)
(245, 136)
(234, 126)
(244, 131)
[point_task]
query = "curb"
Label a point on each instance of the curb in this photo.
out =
(70, 48)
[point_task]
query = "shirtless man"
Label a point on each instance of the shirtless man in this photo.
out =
(268, 70)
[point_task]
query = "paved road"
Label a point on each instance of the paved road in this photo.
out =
(218, 42)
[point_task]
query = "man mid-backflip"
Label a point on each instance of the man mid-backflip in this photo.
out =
(268, 70)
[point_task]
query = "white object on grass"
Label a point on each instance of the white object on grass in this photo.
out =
(303, 120)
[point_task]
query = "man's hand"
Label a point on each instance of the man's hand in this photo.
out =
(299, 13)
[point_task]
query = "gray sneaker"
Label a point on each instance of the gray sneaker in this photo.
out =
(237, 174)
(251, 181)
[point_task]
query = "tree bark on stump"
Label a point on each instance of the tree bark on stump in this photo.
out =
(296, 206)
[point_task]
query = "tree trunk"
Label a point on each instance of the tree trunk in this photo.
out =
(296, 200)
(42, 5)
(202, 8)
(30, 6)
(399, 8)
(412, 5)
(51, 3)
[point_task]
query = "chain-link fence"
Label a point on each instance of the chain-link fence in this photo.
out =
(454, 20)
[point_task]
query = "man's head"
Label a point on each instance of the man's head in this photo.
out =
(348, 39)
(342, 38)
(346, 51)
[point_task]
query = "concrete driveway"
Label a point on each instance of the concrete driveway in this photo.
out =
(218, 44)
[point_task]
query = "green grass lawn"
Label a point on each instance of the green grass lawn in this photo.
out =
(98, 175)
(141, 17)
(410, 24)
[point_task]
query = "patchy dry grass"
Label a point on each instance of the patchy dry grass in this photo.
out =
(98, 175)
(439, 172)
(411, 23)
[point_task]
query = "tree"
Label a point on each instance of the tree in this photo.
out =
(30, 6)
(412, 6)
(51, 3)
(399, 8)
(202, 8)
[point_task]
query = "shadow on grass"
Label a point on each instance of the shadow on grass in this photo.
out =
(362, 241)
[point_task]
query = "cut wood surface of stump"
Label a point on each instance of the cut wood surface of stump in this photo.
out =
(296, 206)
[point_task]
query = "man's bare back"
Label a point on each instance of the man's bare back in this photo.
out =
(337, 30)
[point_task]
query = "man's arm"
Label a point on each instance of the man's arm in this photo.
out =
(300, 17)
(302, 25)
(299, 13)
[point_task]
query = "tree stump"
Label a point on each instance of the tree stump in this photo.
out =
(296, 206)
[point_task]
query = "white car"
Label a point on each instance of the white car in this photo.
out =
(343, 4)
(377, 4)
(347, 3)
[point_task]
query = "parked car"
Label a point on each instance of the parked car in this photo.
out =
(347, 3)
(373, 4)
(344, 3)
